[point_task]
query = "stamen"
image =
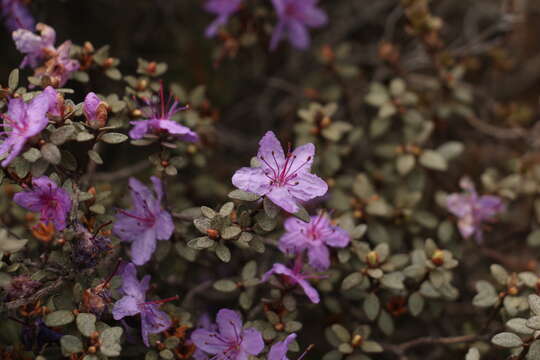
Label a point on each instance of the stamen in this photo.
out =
(162, 301)
(311, 346)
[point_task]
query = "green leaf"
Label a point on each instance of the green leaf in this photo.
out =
(231, 232)
(86, 323)
(201, 243)
(13, 79)
(113, 73)
(473, 354)
(416, 303)
(226, 209)
(110, 341)
(249, 271)
(32, 155)
(534, 303)
(62, 134)
(520, 326)
(507, 340)
(208, 212)
(341, 332)
(302, 214)
(84, 136)
(225, 285)
(534, 351)
(393, 280)
(369, 346)
(113, 138)
(533, 323)
(352, 280)
(433, 160)
(202, 224)
(385, 323)
(223, 253)
(499, 273)
(51, 153)
(533, 239)
(372, 305)
(243, 195)
(71, 345)
(405, 163)
(271, 209)
(59, 318)
(9, 244)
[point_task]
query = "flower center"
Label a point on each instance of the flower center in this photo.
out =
(283, 174)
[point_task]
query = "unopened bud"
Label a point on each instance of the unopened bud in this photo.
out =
(212, 233)
(279, 326)
(151, 68)
(357, 340)
(372, 258)
(438, 257)
(326, 121)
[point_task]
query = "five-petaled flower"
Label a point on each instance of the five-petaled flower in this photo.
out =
(279, 350)
(146, 223)
(230, 341)
(223, 9)
(22, 121)
(473, 210)
(284, 179)
(294, 18)
(51, 201)
(159, 115)
(293, 277)
(153, 320)
(315, 237)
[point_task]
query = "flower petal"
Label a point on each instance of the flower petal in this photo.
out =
(143, 247)
(308, 186)
(229, 324)
(310, 291)
(208, 341)
(319, 257)
(279, 350)
(126, 306)
(252, 180)
(282, 198)
(252, 341)
(270, 149)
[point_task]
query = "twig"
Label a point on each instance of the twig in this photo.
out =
(194, 291)
(122, 173)
(15, 304)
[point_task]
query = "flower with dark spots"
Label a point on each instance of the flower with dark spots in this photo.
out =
(153, 320)
(230, 341)
(315, 237)
(294, 276)
(16, 15)
(295, 17)
(146, 223)
(473, 210)
(284, 179)
(223, 9)
(51, 201)
(22, 122)
(158, 114)
(279, 350)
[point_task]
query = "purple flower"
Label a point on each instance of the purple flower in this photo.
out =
(36, 47)
(472, 210)
(294, 18)
(159, 119)
(294, 277)
(56, 101)
(59, 67)
(223, 9)
(95, 111)
(16, 15)
(279, 350)
(230, 341)
(52, 202)
(315, 237)
(22, 122)
(153, 320)
(284, 179)
(146, 223)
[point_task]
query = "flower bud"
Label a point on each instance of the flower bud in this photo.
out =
(95, 111)
(438, 257)
(372, 258)
(357, 340)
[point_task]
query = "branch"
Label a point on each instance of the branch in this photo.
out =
(122, 173)
(15, 304)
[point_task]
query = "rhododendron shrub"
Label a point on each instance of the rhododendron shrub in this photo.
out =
(269, 179)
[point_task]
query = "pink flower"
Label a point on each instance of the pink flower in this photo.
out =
(153, 320)
(315, 237)
(52, 202)
(284, 179)
(22, 122)
(230, 341)
(159, 119)
(473, 210)
(16, 15)
(293, 277)
(146, 223)
(294, 18)
(36, 47)
(223, 9)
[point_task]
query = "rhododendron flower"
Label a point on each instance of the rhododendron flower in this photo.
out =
(159, 119)
(473, 210)
(279, 350)
(36, 47)
(284, 179)
(95, 111)
(315, 237)
(230, 341)
(56, 101)
(22, 121)
(294, 19)
(293, 277)
(146, 223)
(59, 67)
(52, 202)
(223, 9)
(153, 320)
(16, 15)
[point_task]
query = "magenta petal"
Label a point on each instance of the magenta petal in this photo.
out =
(319, 257)
(310, 291)
(252, 180)
(270, 149)
(282, 198)
(309, 186)
(339, 238)
(229, 323)
(140, 128)
(279, 350)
